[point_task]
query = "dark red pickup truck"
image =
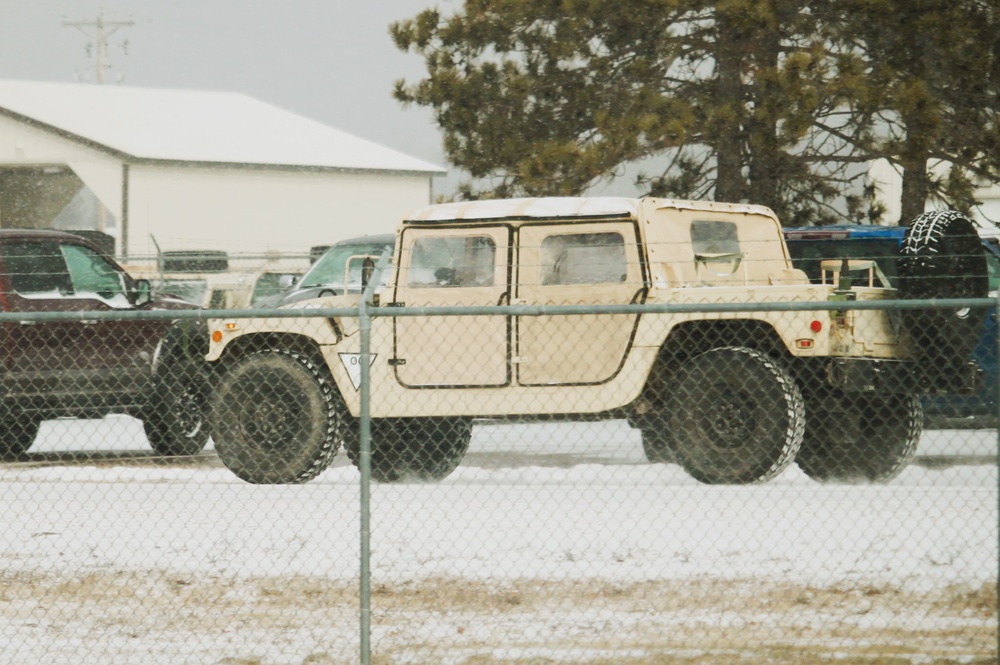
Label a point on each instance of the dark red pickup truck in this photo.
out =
(90, 367)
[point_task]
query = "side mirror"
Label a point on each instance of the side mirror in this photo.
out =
(367, 268)
(143, 292)
(287, 281)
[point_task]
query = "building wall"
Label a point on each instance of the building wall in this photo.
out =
(36, 165)
(889, 181)
(250, 210)
(260, 210)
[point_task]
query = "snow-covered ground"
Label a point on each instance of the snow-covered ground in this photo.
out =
(550, 542)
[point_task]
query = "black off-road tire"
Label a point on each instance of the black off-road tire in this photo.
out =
(277, 418)
(860, 437)
(737, 415)
(658, 442)
(427, 449)
(176, 420)
(942, 256)
(18, 430)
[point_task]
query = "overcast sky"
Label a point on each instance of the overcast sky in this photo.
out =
(330, 60)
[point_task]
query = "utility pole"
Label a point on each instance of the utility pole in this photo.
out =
(99, 31)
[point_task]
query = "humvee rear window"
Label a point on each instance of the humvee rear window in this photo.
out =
(452, 261)
(716, 246)
(584, 258)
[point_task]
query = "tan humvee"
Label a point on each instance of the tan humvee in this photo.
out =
(734, 396)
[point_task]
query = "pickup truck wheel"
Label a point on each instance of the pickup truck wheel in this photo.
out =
(176, 423)
(942, 256)
(738, 416)
(277, 418)
(18, 430)
(415, 448)
(862, 437)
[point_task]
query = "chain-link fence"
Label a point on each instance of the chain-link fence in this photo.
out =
(540, 484)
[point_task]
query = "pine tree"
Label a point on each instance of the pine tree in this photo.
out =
(768, 101)
(933, 73)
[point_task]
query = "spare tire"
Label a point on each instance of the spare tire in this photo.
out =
(942, 256)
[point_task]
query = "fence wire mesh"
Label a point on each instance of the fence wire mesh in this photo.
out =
(685, 524)
(557, 477)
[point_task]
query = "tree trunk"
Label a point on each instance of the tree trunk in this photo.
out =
(730, 184)
(766, 156)
(913, 159)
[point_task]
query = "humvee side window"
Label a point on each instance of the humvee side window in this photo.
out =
(584, 258)
(716, 246)
(36, 269)
(452, 261)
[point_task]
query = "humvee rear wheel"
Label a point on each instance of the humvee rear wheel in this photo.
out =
(738, 417)
(277, 418)
(657, 443)
(863, 437)
(18, 430)
(414, 448)
(942, 256)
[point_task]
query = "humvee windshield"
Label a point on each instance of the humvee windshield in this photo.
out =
(329, 269)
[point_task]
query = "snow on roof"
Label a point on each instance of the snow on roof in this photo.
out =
(566, 206)
(544, 207)
(196, 126)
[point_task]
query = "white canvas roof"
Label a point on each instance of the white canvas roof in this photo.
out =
(196, 126)
(555, 206)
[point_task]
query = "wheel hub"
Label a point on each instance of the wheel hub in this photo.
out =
(730, 418)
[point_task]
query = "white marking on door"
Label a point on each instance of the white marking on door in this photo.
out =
(352, 363)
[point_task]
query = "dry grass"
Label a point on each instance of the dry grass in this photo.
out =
(701, 622)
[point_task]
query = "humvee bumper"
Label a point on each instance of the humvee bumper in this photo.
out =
(902, 376)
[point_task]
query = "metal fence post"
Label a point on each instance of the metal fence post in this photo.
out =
(364, 465)
(365, 457)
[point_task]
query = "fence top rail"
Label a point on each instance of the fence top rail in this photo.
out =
(498, 310)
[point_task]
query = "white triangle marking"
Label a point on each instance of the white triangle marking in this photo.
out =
(352, 363)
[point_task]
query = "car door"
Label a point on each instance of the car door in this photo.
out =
(576, 264)
(43, 357)
(117, 355)
(82, 360)
(452, 267)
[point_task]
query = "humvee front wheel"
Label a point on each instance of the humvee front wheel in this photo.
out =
(414, 448)
(736, 415)
(277, 418)
(862, 437)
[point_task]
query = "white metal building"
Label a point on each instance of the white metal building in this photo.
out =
(888, 180)
(196, 169)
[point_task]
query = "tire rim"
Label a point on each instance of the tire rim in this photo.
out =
(729, 419)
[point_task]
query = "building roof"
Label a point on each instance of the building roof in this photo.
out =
(150, 124)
